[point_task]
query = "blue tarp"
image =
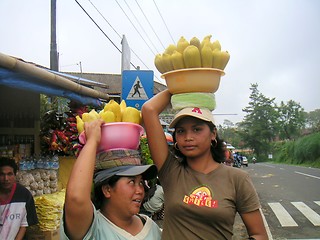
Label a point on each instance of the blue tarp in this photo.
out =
(79, 80)
(21, 81)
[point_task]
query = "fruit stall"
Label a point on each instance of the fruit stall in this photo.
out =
(21, 84)
(41, 145)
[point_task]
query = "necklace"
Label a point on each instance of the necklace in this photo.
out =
(3, 216)
(6, 207)
(3, 207)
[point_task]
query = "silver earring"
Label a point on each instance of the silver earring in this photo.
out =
(216, 143)
(176, 146)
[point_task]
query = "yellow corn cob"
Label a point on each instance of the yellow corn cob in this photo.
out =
(216, 45)
(131, 114)
(206, 56)
(114, 107)
(123, 105)
(191, 57)
(166, 60)
(177, 60)
(170, 49)
(182, 44)
(108, 116)
(80, 124)
(86, 117)
(220, 59)
(206, 40)
(94, 114)
(159, 63)
(195, 42)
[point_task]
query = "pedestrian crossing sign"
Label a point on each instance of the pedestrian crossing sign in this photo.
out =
(137, 87)
(137, 91)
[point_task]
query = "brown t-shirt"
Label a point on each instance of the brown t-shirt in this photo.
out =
(203, 206)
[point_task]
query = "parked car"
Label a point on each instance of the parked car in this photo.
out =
(244, 161)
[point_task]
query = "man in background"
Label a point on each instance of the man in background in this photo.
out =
(17, 208)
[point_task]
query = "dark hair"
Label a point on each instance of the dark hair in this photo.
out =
(98, 197)
(4, 161)
(217, 150)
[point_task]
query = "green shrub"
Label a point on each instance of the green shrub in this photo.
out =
(305, 150)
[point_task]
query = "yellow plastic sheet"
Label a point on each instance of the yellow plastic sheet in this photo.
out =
(49, 210)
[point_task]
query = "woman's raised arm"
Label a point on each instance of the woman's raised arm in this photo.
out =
(78, 206)
(155, 135)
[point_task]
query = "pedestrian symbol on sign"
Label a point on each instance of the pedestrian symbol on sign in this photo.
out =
(137, 91)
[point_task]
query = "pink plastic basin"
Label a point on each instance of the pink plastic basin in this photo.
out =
(118, 135)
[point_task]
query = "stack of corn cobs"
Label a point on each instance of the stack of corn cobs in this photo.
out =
(193, 54)
(188, 55)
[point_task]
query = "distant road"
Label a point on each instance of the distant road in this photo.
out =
(290, 198)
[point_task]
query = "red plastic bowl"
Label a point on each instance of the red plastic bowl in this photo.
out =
(118, 135)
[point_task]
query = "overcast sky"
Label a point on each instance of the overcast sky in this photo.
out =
(274, 43)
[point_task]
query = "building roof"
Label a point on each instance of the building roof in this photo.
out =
(87, 88)
(112, 82)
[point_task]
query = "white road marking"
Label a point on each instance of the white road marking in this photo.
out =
(311, 215)
(317, 202)
(266, 225)
(307, 175)
(283, 216)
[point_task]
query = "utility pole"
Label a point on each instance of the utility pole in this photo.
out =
(54, 65)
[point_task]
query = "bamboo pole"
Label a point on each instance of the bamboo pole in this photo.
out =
(48, 77)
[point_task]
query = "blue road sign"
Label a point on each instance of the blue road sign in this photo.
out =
(137, 87)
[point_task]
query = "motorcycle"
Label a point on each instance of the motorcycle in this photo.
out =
(254, 160)
(237, 161)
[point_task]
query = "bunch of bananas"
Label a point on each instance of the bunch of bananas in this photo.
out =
(112, 112)
(193, 54)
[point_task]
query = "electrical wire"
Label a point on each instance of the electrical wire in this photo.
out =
(102, 30)
(117, 33)
(98, 26)
(141, 26)
(138, 33)
(163, 21)
(150, 25)
(135, 28)
(105, 19)
(110, 39)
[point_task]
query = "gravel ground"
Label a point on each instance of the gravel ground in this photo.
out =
(239, 230)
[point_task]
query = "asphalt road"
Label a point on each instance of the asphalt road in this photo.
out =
(290, 199)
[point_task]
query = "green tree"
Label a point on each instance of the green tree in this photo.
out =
(291, 119)
(259, 126)
(313, 120)
(229, 133)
